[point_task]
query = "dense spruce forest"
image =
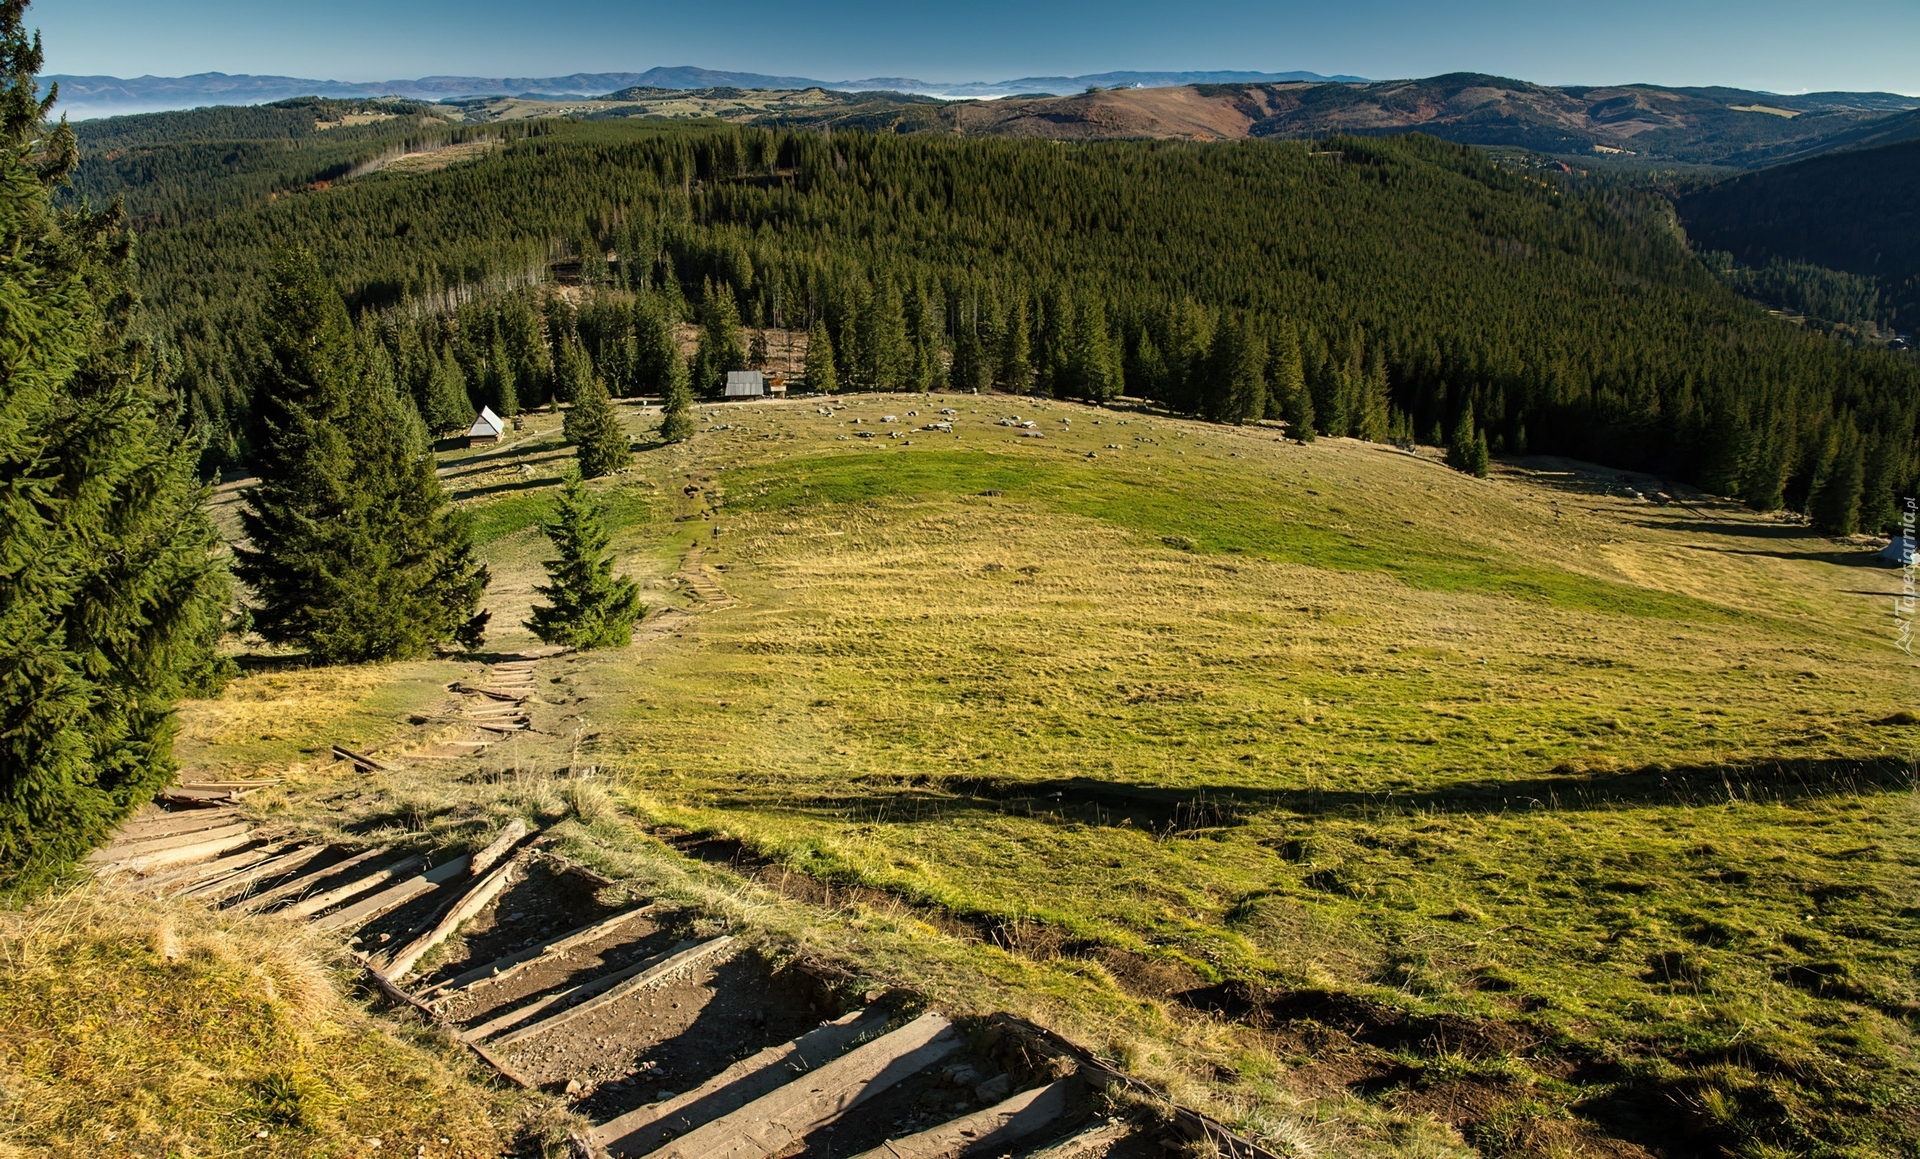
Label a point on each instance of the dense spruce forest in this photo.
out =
(176, 167)
(1384, 288)
(1857, 211)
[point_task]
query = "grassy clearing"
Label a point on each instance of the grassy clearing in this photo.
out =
(134, 1029)
(1563, 816)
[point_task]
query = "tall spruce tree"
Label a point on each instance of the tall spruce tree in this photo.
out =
(593, 427)
(676, 410)
(354, 551)
(821, 378)
(1290, 385)
(587, 605)
(111, 595)
(449, 408)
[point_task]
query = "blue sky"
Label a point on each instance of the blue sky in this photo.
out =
(1768, 44)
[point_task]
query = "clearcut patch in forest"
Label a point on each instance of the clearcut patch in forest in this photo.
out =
(1366, 804)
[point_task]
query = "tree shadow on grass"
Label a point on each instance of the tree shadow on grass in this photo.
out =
(1170, 812)
(1857, 557)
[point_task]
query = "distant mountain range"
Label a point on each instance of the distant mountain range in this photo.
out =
(83, 97)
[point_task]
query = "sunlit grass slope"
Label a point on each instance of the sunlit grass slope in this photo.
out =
(1192, 740)
(1326, 717)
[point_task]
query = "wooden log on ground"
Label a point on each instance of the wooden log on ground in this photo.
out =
(272, 867)
(1100, 1136)
(200, 798)
(166, 841)
(388, 900)
(361, 761)
(146, 863)
(583, 872)
(387, 874)
(775, 1121)
(162, 823)
(194, 875)
(308, 880)
(476, 899)
(494, 693)
(993, 1129)
(514, 832)
(644, 1129)
(401, 996)
(556, 1002)
(651, 976)
(507, 965)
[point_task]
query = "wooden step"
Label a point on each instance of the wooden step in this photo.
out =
(475, 900)
(388, 900)
(155, 844)
(1084, 1141)
(642, 1130)
(554, 1003)
(777, 1120)
(651, 976)
(163, 823)
(308, 880)
(272, 867)
(997, 1127)
(391, 872)
(147, 863)
(212, 872)
(507, 965)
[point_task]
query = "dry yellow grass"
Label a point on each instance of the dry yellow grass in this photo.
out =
(131, 1028)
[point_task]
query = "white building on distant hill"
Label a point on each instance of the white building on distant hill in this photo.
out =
(746, 384)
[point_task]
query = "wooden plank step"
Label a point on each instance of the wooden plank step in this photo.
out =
(147, 863)
(642, 1130)
(1005, 1123)
(388, 900)
(208, 872)
(198, 872)
(160, 822)
(777, 1120)
(272, 867)
(249, 783)
(166, 841)
(507, 965)
(475, 900)
(385, 875)
(510, 835)
(651, 976)
(494, 693)
(192, 797)
(1084, 1141)
(308, 880)
(501, 728)
(556, 1002)
(361, 761)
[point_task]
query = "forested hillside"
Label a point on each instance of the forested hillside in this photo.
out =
(1382, 288)
(175, 167)
(1856, 211)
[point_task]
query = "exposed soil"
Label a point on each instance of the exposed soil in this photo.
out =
(672, 1037)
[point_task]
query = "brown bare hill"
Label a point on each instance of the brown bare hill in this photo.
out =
(1731, 127)
(1183, 113)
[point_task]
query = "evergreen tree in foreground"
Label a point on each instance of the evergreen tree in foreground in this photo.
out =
(355, 553)
(110, 593)
(592, 426)
(587, 605)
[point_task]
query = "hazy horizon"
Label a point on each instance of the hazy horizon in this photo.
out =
(1770, 45)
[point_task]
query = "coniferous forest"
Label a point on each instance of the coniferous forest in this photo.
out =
(1384, 288)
